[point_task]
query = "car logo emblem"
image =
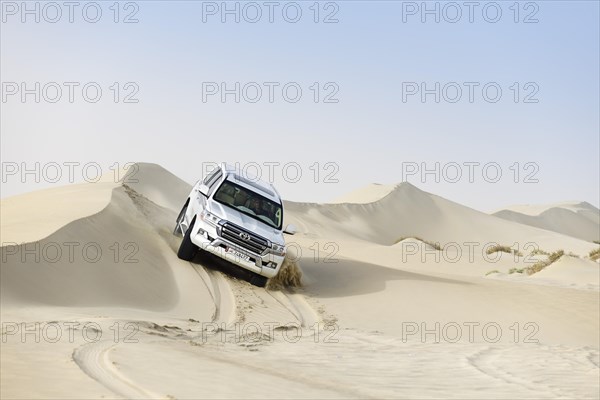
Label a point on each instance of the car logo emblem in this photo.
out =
(244, 236)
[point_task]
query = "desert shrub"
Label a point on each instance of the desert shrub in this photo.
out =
(595, 254)
(504, 249)
(555, 256)
(539, 251)
(515, 271)
(537, 267)
(540, 265)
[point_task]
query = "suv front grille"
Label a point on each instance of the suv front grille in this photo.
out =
(244, 238)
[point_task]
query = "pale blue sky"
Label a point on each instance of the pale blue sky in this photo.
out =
(369, 133)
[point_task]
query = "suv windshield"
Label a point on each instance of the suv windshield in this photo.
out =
(250, 203)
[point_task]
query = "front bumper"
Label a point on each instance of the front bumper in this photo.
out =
(205, 237)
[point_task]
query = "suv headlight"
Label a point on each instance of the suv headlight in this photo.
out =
(278, 249)
(209, 218)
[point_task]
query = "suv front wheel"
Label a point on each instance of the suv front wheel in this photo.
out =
(258, 280)
(180, 219)
(187, 249)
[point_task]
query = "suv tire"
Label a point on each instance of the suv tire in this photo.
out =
(187, 249)
(258, 280)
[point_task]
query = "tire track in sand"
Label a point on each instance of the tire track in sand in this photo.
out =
(297, 305)
(93, 359)
(221, 294)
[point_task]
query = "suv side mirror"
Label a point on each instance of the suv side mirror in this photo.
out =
(290, 229)
(203, 189)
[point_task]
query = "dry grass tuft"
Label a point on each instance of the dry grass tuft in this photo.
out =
(504, 249)
(538, 266)
(516, 271)
(539, 251)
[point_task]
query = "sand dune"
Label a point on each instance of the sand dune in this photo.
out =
(368, 322)
(576, 219)
(33, 216)
(570, 269)
(158, 185)
(367, 194)
(409, 211)
(115, 258)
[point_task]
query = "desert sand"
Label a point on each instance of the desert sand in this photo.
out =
(399, 299)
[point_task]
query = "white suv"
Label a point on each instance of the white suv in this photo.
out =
(236, 218)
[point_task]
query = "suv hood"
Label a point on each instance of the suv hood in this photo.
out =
(232, 215)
